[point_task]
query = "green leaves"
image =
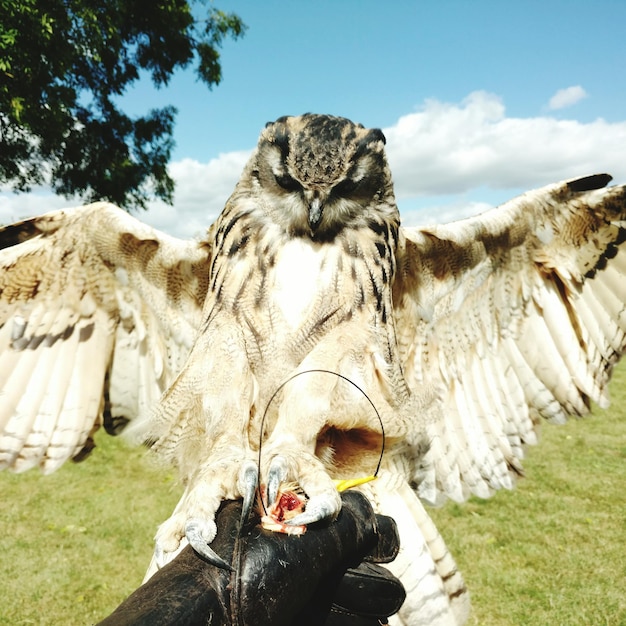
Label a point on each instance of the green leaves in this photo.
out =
(209, 39)
(60, 69)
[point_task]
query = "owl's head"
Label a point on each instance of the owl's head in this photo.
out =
(319, 174)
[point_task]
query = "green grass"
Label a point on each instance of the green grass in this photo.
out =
(74, 544)
(553, 551)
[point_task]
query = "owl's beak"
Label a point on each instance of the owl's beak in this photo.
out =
(316, 209)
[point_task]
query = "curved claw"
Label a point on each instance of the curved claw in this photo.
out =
(248, 483)
(159, 557)
(193, 532)
(276, 475)
(318, 508)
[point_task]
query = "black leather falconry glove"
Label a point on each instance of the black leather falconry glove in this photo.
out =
(328, 576)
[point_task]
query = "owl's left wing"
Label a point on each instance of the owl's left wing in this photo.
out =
(98, 312)
(517, 314)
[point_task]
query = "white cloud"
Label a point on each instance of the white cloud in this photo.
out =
(14, 207)
(443, 212)
(567, 97)
(460, 156)
(448, 149)
(201, 192)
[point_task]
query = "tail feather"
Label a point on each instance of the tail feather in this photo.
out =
(436, 592)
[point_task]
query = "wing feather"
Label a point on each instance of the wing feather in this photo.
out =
(97, 314)
(59, 356)
(69, 426)
(517, 315)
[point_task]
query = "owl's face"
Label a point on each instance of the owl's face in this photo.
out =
(319, 174)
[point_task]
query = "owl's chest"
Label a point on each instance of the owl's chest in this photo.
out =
(302, 283)
(296, 290)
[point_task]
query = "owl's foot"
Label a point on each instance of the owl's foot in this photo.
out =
(200, 533)
(307, 471)
(194, 516)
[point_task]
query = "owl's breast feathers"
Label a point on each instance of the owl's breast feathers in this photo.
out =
(295, 288)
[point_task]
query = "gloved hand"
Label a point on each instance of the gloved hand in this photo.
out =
(327, 576)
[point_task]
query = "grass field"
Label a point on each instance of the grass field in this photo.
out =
(553, 552)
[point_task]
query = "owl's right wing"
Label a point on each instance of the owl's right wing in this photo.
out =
(515, 315)
(97, 313)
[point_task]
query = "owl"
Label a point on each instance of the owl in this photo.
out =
(309, 338)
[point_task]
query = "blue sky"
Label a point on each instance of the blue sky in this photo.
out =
(479, 99)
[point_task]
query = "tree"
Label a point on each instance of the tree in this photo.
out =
(63, 64)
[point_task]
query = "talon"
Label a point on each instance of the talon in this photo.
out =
(193, 532)
(318, 508)
(159, 556)
(248, 482)
(276, 475)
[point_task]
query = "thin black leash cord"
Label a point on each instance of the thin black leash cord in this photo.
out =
(318, 371)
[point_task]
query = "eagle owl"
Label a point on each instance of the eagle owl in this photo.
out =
(307, 332)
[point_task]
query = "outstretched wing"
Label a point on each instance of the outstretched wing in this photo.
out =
(517, 314)
(97, 313)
